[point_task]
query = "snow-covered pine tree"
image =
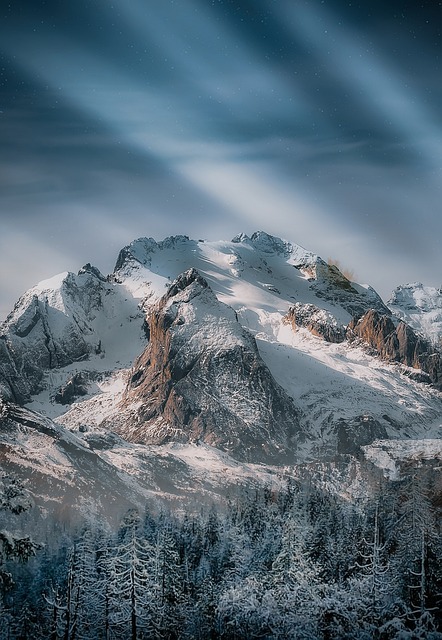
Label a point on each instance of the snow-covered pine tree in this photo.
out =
(13, 547)
(86, 599)
(131, 589)
(168, 583)
(296, 580)
(417, 558)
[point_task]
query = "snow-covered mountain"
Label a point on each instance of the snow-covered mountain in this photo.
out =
(69, 318)
(230, 357)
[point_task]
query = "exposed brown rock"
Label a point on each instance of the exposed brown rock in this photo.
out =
(393, 341)
(319, 322)
(201, 379)
(398, 343)
(329, 283)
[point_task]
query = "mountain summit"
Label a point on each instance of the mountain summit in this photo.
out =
(201, 379)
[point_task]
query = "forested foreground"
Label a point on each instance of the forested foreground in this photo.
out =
(291, 564)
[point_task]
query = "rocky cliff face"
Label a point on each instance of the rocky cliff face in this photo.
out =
(390, 339)
(318, 321)
(39, 336)
(396, 341)
(331, 284)
(60, 321)
(201, 379)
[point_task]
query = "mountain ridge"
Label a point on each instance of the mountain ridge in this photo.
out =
(251, 349)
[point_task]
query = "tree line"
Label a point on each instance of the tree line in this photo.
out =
(298, 563)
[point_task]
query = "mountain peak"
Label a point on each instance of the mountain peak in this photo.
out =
(266, 243)
(88, 268)
(201, 378)
(142, 249)
(414, 296)
(185, 280)
(271, 244)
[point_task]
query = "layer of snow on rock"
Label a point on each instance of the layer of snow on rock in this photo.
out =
(104, 315)
(90, 412)
(388, 454)
(421, 307)
(193, 468)
(257, 277)
(333, 381)
(258, 271)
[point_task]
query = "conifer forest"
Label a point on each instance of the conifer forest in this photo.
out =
(297, 563)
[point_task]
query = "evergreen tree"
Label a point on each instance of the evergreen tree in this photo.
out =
(130, 578)
(417, 538)
(296, 580)
(168, 584)
(13, 547)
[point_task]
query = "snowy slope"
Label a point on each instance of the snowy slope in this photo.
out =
(261, 277)
(84, 338)
(65, 325)
(97, 326)
(258, 272)
(92, 474)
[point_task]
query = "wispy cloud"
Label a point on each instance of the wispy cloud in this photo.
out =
(180, 117)
(373, 83)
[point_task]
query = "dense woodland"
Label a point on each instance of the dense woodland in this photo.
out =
(294, 564)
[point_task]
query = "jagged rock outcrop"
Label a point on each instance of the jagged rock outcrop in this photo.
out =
(357, 432)
(201, 378)
(266, 243)
(318, 321)
(60, 321)
(397, 342)
(74, 388)
(89, 268)
(329, 283)
(36, 337)
(390, 339)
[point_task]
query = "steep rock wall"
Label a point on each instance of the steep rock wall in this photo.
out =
(201, 378)
(398, 342)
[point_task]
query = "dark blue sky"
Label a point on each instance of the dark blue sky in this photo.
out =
(319, 121)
